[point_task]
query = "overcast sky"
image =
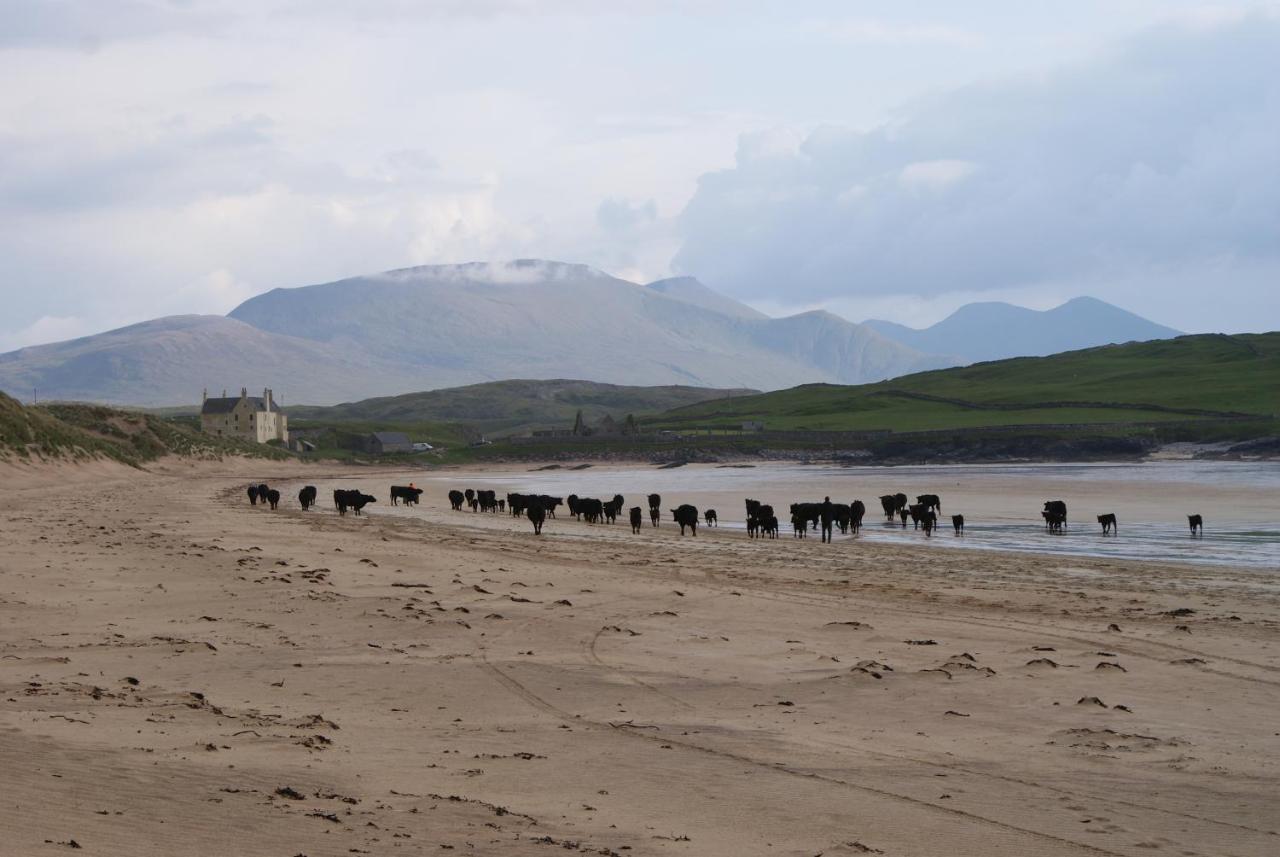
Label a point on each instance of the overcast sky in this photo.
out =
(879, 159)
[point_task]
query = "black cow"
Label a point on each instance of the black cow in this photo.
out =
(890, 506)
(253, 495)
(273, 497)
(613, 508)
(710, 517)
(1197, 525)
(904, 514)
(407, 493)
(1057, 508)
(753, 526)
(353, 500)
(571, 502)
(470, 496)
(930, 501)
(770, 526)
(262, 491)
(487, 501)
(550, 503)
(765, 512)
(753, 508)
(502, 505)
(637, 519)
(843, 517)
(1108, 522)
(591, 510)
(928, 521)
(811, 512)
(307, 497)
(957, 522)
(799, 525)
(536, 514)
(1053, 522)
(456, 499)
(916, 511)
(857, 511)
(517, 503)
(654, 514)
(655, 502)
(686, 516)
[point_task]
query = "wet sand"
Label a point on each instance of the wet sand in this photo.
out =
(182, 673)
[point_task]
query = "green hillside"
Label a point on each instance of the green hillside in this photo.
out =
(507, 406)
(1187, 378)
(69, 431)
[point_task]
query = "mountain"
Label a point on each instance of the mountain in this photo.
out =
(994, 331)
(691, 291)
(448, 325)
(170, 360)
(506, 405)
(536, 319)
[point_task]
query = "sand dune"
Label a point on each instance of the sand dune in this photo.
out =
(181, 673)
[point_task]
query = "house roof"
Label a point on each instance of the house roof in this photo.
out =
(228, 404)
(391, 437)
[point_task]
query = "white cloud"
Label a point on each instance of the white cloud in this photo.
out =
(937, 174)
(1152, 166)
(870, 31)
(48, 328)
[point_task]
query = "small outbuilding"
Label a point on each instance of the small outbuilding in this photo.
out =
(386, 442)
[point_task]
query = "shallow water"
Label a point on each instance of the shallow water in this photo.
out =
(1240, 502)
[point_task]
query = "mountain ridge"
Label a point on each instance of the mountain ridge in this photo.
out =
(995, 330)
(435, 326)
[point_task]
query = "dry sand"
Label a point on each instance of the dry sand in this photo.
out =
(181, 673)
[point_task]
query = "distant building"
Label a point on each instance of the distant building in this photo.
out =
(383, 442)
(250, 418)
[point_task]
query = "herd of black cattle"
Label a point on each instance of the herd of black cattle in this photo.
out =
(762, 521)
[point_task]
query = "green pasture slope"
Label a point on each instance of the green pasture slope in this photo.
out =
(457, 413)
(1190, 378)
(83, 432)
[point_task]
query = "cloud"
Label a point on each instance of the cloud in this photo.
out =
(82, 24)
(49, 328)
(935, 175)
(620, 215)
(868, 31)
(1161, 156)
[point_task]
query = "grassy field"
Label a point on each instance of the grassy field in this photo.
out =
(503, 407)
(1188, 378)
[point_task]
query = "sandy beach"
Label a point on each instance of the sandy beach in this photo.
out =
(182, 673)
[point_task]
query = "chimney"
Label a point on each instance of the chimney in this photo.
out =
(224, 392)
(205, 396)
(266, 398)
(244, 392)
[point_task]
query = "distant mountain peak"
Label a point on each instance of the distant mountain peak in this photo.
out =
(693, 291)
(993, 330)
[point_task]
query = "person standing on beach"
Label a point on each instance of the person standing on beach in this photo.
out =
(828, 515)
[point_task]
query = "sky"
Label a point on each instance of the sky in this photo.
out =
(877, 159)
